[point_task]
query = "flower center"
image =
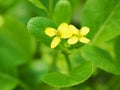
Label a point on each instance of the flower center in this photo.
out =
(58, 34)
(79, 35)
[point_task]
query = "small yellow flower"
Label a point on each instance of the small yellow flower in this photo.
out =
(78, 35)
(64, 31)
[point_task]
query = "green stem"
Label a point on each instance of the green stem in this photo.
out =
(23, 85)
(53, 66)
(50, 8)
(68, 62)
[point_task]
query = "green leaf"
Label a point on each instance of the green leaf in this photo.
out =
(117, 51)
(117, 48)
(13, 46)
(37, 25)
(100, 58)
(76, 58)
(15, 49)
(76, 76)
(62, 12)
(39, 4)
(7, 82)
(32, 74)
(46, 3)
(7, 4)
(103, 19)
(8, 71)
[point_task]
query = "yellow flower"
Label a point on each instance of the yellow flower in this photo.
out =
(63, 31)
(78, 35)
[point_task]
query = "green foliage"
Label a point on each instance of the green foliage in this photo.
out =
(100, 58)
(6, 3)
(7, 82)
(76, 76)
(62, 12)
(13, 51)
(117, 51)
(12, 43)
(38, 4)
(45, 6)
(37, 25)
(102, 18)
(32, 74)
(28, 63)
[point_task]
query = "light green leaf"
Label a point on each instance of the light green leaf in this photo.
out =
(15, 44)
(7, 82)
(62, 12)
(47, 3)
(8, 72)
(103, 18)
(32, 74)
(15, 49)
(39, 4)
(6, 4)
(37, 25)
(76, 76)
(100, 58)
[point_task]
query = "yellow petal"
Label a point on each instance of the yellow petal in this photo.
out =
(84, 30)
(63, 26)
(84, 40)
(73, 28)
(55, 42)
(72, 40)
(50, 31)
(64, 31)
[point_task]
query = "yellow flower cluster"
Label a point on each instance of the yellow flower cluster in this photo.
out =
(69, 32)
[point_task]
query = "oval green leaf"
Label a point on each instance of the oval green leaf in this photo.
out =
(62, 12)
(37, 25)
(76, 76)
(13, 46)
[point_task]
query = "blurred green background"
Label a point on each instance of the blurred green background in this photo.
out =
(24, 60)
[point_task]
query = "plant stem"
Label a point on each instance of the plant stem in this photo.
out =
(68, 62)
(50, 8)
(53, 66)
(23, 85)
